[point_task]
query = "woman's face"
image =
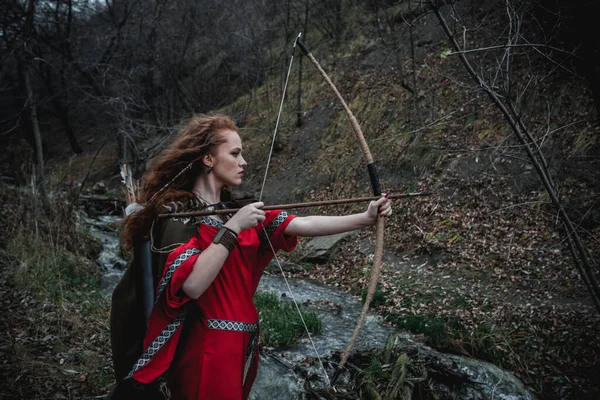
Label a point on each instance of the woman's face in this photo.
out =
(227, 161)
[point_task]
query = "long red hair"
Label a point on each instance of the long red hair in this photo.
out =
(198, 137)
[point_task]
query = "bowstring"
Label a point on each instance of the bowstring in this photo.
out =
(264, 229)
(287, 78)
(299, 312)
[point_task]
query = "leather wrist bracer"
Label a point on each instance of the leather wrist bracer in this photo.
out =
(226, 237)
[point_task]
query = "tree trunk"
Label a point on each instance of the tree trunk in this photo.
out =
(62, 111)
(299, 99)
(585, 266)
(63, 114)
(32, 114)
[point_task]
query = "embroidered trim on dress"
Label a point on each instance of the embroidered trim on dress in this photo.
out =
(211, 222)
(171, 270)
(276, 223)
(272, 227)
(172, 327)
(224, 325)
(158, 343)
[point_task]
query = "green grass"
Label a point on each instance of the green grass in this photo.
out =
(56, 307)
(50, 271)
(379, 297)
(486, 341)
(280, 322)
(49, 254)
(390, 373)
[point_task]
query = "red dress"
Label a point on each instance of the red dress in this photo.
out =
(218, 354)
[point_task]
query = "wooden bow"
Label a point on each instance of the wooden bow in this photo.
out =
(380, 221)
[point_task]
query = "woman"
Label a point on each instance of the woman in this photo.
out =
(213, 264)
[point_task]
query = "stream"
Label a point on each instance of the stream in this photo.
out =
(113, 266)
(285, 373)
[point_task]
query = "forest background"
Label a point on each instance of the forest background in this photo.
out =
(493, 106)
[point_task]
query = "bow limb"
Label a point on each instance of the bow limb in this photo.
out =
(380, 222)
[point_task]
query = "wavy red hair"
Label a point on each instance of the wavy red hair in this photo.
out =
(199, 136)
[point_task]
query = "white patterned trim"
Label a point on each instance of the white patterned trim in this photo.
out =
(172, 327)
(158, 343)
(211, 222)
(183, 257)
(276, 223)
(224, 325)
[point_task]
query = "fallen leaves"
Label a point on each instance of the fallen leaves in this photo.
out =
(495, 271)
(51, 351)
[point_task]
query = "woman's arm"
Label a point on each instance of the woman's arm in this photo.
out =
(316, 225)
(211, 260)
(206, 268)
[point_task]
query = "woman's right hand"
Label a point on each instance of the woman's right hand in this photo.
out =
(247, 217)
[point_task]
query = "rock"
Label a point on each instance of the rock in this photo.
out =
(288, 267)
(277, 381)
(99, 188)
(453, 376)
(293, 372)
(98, 204)
(320, 249)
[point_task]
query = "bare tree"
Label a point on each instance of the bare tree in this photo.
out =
(498, 84)
(299, 97)
(132, 69)
(31, 105)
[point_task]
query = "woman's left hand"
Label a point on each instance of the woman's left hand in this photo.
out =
(383, 206)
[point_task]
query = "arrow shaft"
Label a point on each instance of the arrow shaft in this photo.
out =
(296, 205)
